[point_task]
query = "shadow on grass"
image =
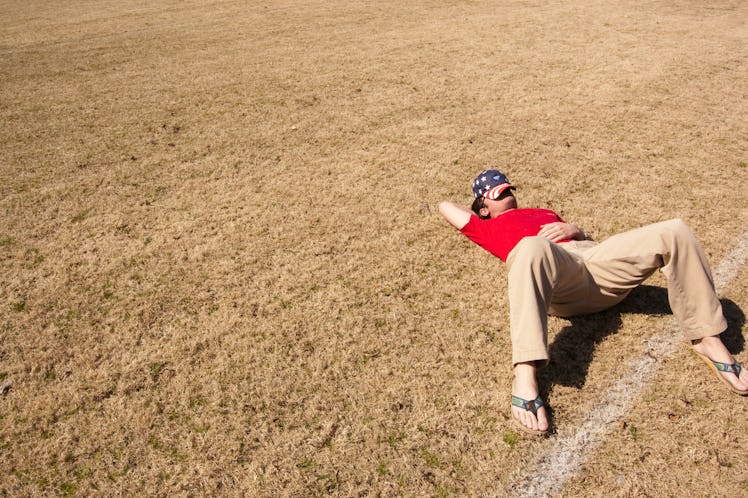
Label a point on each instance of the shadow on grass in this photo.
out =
(573, 347)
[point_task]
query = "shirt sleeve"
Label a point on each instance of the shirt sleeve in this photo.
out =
(475, 230)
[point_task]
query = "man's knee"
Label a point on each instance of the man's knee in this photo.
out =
(679, 229)
(677, 224)
(529, 249)
(533, 245)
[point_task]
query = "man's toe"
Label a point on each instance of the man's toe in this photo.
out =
(530, 421)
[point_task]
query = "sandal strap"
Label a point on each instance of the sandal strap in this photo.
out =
(733, 368)
(531, 406)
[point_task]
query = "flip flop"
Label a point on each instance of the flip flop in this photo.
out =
(531, 406)
(718, 367)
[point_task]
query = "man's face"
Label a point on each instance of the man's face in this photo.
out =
(494, 207)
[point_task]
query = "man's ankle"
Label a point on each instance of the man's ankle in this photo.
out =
(525, 367)
(524, 379)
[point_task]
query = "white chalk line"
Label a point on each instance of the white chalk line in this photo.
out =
(571, 450)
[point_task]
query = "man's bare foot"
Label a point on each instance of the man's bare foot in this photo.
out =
(526, 387)
(713, 348)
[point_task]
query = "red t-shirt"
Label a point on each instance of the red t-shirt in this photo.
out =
(499, 235)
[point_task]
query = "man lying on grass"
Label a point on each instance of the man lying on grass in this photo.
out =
(555, 268)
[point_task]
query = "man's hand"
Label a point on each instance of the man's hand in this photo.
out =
(559, 230)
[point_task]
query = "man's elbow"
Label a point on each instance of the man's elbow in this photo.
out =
(444, 208)
(455, 215)
(448, 210)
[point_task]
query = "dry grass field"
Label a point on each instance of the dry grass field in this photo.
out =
(222, 271)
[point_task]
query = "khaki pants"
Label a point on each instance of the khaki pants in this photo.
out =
(576, 278)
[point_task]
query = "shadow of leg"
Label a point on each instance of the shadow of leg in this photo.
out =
(733, 336)
(573, 347)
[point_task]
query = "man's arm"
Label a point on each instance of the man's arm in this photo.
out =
(560, 231)
(458, 216)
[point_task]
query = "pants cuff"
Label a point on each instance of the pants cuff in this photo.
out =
(538, 355)
(716, 329)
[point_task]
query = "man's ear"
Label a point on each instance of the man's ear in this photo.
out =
(484, 212)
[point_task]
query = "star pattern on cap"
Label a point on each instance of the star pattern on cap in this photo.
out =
(487, 180)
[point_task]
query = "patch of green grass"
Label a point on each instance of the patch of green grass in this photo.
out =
(3, 376)
(700, 403)
(441, 492)
(156, 369)
(430, 459)
(634, 433)
(113, 476)
(306, 464)
(197, 402)
(489, 333)
(382, 469)
(742, 164)
(511, 438)
(457, 468)
(395, 439)
(201, 428)
(5, 240)
(329, 483)
(400, 481)
(33, 258)
(68, 489)
(155, 443)
(79, 216)
(18, 307)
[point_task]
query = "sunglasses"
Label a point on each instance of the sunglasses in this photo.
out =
(503, 195)
(480, 202)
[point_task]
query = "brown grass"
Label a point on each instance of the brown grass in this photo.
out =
(223, 272)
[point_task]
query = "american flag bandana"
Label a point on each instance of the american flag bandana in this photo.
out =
(490, 184)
